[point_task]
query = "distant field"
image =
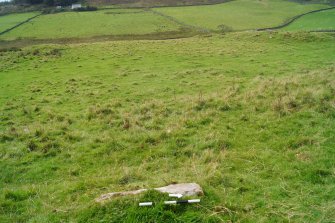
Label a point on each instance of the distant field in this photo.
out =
(88, 24)
(11, 20)
(324, 20)
(234, 15)
(240, 14)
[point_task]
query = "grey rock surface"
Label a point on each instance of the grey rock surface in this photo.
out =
(186, 189)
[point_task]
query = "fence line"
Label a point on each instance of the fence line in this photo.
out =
(19, 24)
(294, 19)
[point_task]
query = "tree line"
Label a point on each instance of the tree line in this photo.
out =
(45, 2)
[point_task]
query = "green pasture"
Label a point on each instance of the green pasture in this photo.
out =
(324, 20)
(249, 116)
(234, 15)
(89, 24)
(239, 14)
(8, 21)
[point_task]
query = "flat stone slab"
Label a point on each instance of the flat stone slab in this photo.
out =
(186, 189)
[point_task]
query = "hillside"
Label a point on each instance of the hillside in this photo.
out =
(159, 23)
(249, 116)
(120, 98)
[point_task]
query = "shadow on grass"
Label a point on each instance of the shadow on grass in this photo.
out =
(19, 43)
(127, 210)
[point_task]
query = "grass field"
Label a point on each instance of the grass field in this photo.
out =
(324, 20)
(240, 14)
(89, 24)
(249, 116)
(11, 20)
(234, 15)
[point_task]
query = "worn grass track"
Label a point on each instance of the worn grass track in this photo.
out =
(19, 43)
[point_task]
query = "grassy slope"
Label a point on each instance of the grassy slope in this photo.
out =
(240, 14)
(88, 24)
(249, 116)
(11, 20)
(316, 21)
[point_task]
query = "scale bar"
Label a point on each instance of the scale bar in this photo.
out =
(171, 202)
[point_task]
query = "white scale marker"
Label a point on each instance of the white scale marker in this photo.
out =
(171, 202)
(146, 204)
